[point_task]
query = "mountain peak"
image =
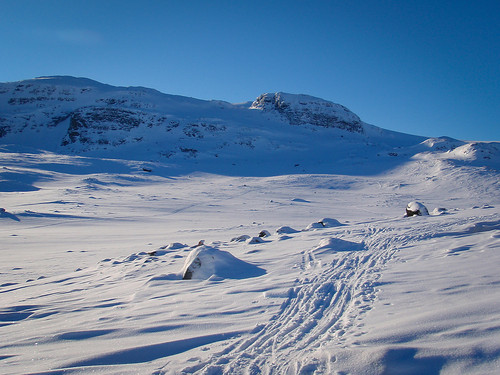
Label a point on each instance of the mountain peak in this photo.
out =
(300, 109)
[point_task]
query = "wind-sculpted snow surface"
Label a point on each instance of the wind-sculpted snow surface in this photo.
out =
(303, 273)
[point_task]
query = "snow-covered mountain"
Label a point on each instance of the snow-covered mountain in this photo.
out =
(276, 133)
(96, 116)
(301, 252)
(92, 116)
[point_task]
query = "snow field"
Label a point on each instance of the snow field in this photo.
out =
(83, 290)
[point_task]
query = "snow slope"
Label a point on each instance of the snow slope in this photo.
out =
(94, 244)
(298, 133)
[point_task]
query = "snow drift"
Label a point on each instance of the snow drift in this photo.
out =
(206, 262)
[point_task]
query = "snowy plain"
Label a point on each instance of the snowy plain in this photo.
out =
(93, 250)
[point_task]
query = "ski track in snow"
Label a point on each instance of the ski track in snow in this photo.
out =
(321, 309)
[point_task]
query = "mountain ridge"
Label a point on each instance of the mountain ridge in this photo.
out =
(285, 132)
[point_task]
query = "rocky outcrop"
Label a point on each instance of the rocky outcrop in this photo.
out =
(89, 125)
(416, 209)
(304, 109)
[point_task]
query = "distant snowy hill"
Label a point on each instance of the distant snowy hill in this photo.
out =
(276, 133)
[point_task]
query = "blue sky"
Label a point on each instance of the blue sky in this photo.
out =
(421, 67)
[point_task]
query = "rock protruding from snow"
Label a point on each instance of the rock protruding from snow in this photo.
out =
(205, 262)
(241, 238)
(305, 109)
(416, 208)
(5, 213)
(264, 233)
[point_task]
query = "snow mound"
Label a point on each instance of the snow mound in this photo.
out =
(442, 143)
(241, 238)
(255, 240)
(286, 230)
(251, 240)
(324, 223)
(416, 208)
(300, 200)
(445, 148)
(477, 151)
(315, 225)
(167, 248)
(439, 211)
(205, 262)
(330, 223)
(176, 246)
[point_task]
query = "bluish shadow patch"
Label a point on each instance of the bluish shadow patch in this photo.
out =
(152, 352)
(402, 361)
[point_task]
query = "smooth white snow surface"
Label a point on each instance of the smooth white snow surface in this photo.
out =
(93, 250)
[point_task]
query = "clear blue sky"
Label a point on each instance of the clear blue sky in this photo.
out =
(427, 67)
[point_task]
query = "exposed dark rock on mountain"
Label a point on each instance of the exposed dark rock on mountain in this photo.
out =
(304, 109)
